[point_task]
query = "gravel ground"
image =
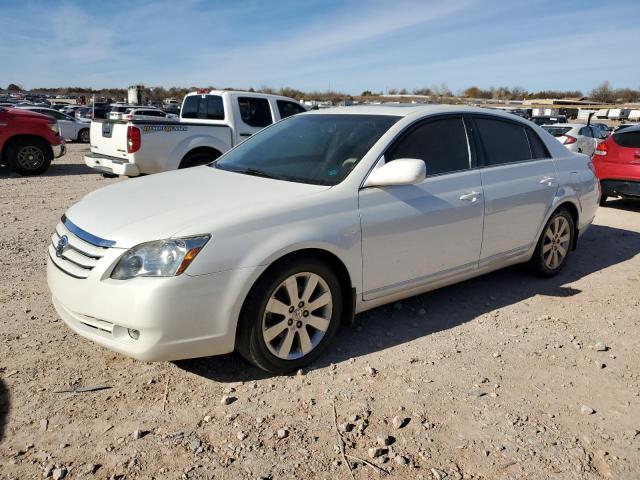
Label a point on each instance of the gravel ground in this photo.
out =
(502, 377)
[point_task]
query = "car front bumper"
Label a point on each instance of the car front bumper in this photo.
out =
(175, 317)
(59, 150)
(111, 165)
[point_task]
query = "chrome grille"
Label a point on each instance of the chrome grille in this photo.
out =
(80, 255)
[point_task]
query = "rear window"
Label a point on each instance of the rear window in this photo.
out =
(504, 142)
(287, 109)
(255, 112)
(206, 107)
(628, 139)
(557, 131)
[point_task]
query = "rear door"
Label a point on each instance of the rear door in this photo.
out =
(253, 114)
(519, 180)
(414, 234)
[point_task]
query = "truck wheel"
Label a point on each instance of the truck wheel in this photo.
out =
(29, 156)
(197, 159)
(83, 135)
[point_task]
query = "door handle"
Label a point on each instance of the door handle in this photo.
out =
(547, 180)
(470, 197)
(245, 134)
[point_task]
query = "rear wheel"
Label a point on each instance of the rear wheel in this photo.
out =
(290, 316)
(554, 244)
(29, 156)
(83, 135)
(197, 159)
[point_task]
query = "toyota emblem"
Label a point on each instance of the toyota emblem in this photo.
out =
(62, 244)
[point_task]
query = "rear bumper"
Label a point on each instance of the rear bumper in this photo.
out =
(620, 188)
(113, 165)
(59, 150)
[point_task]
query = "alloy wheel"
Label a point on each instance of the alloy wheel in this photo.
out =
(30, 157)
(555, 245)
(297, 315)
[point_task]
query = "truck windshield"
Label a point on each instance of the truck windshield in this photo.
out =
(317, 149)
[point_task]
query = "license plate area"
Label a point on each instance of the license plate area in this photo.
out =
(107, 129)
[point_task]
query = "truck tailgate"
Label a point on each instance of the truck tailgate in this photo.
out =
(109, 137)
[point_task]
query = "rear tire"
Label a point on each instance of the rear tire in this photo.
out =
(29, 156)
(554, 245)
(198, 159)
(83, 135)
(284, 342)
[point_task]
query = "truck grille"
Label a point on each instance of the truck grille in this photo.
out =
(75, 251)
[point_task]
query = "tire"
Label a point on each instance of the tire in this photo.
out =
(557, 237)
(283, 342)
(603, 200)
(197, 159)
(29, 156)
(83, 136)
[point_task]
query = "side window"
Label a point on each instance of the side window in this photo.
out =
(287, 109)
(538, 148)
(255, 111)
(441, 144)
(504, 142)
(207, 107)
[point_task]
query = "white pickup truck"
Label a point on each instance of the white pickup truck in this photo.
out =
(211, 122)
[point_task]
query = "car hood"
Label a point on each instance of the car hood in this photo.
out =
(181, 203)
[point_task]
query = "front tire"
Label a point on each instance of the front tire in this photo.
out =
(603, 200)
(29, 156)
(554, 245)
(290, 316)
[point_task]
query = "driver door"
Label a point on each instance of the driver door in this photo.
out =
(415, 234)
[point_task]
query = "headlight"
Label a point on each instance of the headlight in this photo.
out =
(54, 127)
(162, 258)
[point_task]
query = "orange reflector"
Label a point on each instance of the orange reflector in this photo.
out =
(188, 258)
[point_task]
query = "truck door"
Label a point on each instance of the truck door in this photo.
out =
(253, 114)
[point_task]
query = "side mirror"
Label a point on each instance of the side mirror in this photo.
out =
(404, 171)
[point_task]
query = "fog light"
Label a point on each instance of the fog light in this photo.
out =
(135, 334)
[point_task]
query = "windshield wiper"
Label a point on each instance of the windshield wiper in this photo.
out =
(253, 171)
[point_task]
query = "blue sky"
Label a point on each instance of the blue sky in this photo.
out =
(347, 45)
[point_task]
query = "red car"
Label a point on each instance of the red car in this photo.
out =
(617, 162)
(28, 141)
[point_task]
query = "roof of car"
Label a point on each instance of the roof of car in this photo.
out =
(566, 125)
(634, 128)
(406, 109)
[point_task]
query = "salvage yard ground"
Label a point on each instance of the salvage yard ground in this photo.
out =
(502, 377)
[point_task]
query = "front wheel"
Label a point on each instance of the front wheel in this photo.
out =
(290, 316)
(29, 156)
(554, 244)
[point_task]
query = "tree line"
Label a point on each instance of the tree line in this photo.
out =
(602, 93)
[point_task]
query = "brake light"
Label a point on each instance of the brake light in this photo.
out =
(203, 91)
(134, 139)
(601, 149)
(569, 140)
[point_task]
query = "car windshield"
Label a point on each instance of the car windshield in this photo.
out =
(320, 149)
(556, 131)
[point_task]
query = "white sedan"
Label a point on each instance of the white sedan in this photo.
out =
(71, 128)
(310, 221)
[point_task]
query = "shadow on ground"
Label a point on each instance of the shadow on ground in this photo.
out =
(601, 247)
(5, 404)
(57, 169)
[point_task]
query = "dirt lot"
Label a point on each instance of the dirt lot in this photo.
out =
(501, 377)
